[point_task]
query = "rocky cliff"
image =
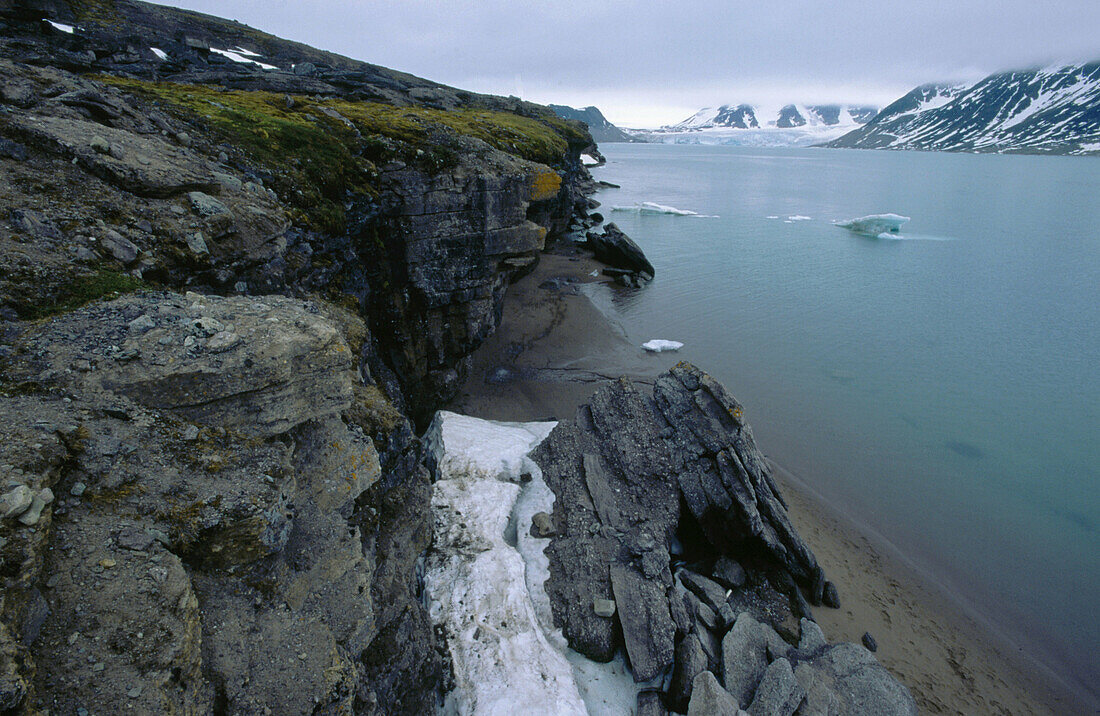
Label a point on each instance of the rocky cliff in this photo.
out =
(235, 274)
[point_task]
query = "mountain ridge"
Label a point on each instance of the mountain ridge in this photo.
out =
(1048, 110)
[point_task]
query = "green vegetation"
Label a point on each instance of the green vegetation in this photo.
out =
(320, 149)
(85, 289)
(103, 11)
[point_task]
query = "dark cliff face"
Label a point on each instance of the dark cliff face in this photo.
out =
(152, 148)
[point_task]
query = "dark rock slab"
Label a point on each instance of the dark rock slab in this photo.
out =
(649, 704)
(728, 572)
(617, 504)
(709, 592)
(744, 658)
(691, 661)
(725, 480)
(616, 249)
(648, 629)
(779, 693)
(847, 679)
(708, 698)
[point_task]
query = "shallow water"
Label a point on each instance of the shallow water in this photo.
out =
(947, 392)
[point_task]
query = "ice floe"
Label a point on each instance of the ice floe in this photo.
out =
(485, 575)
(875, 224)
(799, 217)
(649, 207)
(659, 345)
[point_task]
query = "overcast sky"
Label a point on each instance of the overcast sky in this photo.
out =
(657, 62)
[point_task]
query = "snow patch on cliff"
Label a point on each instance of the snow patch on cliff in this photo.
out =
(485, 575)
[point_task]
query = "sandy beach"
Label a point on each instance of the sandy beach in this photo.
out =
(554, 348)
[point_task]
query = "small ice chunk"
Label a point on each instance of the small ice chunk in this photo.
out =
(773, 216)
(875, 224)
(63, 27)
(659, 345)
(799, 217)
(161, 54)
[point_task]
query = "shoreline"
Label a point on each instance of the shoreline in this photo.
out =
(554, 347)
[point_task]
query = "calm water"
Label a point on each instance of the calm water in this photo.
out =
(946, 391)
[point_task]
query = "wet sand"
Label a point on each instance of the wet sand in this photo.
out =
(554, 348)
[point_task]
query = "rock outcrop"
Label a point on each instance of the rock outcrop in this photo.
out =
(216, 491)
(619, 251)
(213, 536)
(666, 509)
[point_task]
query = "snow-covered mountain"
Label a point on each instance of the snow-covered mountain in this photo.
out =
(1054, 110)
(761, 125)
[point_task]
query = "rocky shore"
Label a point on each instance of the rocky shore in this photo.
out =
(238, 278)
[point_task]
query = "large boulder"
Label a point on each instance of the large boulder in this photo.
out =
(618, 250)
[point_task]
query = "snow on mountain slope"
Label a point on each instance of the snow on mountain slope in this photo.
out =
(762, 125)
(1053, 110)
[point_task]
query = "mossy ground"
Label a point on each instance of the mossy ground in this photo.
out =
(85, 289)
(317, 157)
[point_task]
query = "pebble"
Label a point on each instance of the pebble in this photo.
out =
(17, 501)
(191, 433)
(142, 323)
(603, 607)
(869, 641)
(222, 341)
(100, 145)
(134, 692)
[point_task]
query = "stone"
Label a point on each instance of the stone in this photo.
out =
(869, 642)
(744, 658)
(12, 150)
(649, 703)
(206, 205)
(142, 324)
(616, 249)
(711, 594)
(99, 144)
(134, 538)
(603, 607)
(690, 662)
(207, 325)
(728, 572)
(542, 526)
(812, 639)
(16, 501)
(830, 597)
(34, 513)
(228, 181)
(779, 693)
(119, 247)
(34, 224)
(708, 698)
(846, 679)
(223, 341)
(77, 489)
(648, 630)
(197, 244)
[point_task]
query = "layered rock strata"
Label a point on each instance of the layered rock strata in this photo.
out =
(667, 511)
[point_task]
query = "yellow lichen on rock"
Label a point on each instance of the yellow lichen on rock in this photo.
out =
(545, 185)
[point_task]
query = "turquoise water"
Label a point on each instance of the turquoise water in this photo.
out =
(944, 388)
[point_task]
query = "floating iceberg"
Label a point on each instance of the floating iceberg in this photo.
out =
(658, 345)
(875, 225)
(649, 207)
